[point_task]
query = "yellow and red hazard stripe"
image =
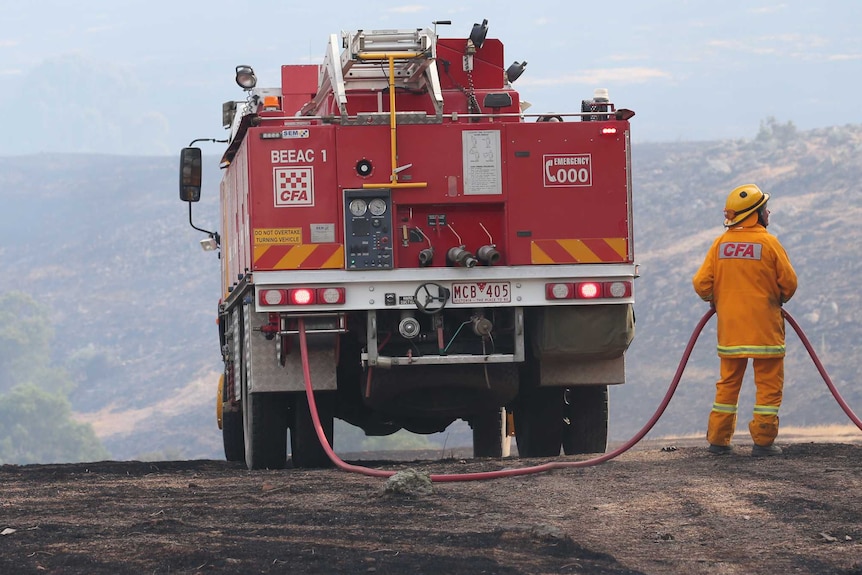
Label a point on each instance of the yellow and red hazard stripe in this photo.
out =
(299, 257)
(579, 251)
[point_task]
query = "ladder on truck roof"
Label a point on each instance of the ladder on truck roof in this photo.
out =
(362, 65)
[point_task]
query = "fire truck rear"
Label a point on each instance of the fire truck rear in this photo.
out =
(450, 255)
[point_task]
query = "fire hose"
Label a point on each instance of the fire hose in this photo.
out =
(822, 370)
(485, 475)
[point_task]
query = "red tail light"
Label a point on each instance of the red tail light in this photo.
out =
(301, 296)
(588, 290)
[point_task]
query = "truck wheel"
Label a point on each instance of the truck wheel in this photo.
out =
(304, 444)
(539, 422)
(231, 430)
(586, 414)
(488, 433)
(265, 430)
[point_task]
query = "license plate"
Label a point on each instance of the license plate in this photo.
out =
(481, 292)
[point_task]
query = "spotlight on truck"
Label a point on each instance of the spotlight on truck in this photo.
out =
(245, 77)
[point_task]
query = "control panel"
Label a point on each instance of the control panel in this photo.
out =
(368, 229)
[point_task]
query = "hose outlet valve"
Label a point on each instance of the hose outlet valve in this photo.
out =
(460, 256)
(489, 254)
(425, 257)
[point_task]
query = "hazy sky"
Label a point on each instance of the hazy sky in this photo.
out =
(146, 77)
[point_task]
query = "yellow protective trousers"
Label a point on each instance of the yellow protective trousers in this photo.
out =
(769, 381)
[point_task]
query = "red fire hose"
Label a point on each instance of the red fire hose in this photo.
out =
(822, 370)
(442, 478)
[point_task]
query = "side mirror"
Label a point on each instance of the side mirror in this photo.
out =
(190, 174)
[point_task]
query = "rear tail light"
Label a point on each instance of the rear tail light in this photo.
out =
(273, 296)
(302, 296)
(588, 290)
(609, 130)
(559, 291)
(330, 295)
(618, 289)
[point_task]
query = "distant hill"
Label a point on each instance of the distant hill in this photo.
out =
(815, 179)
(104, 242)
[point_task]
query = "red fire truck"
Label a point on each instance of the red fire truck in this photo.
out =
(450, 255)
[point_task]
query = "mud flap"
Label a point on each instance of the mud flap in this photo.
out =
(266, 372)
(581, 345)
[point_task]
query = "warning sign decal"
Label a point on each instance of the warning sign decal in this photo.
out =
(293, 187)
(277, 236)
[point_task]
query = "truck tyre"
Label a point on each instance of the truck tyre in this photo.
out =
(265, 430)
(539, 422)
(232, 438)
(585, 414)
(488, 434)
(304, 444)
(232, 431)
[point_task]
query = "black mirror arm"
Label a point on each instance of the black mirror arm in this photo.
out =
(196, 140)
(214, 235)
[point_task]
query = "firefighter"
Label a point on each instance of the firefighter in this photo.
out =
(747, 277)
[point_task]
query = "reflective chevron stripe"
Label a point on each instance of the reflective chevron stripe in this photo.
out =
(299, 257)
(573, 251)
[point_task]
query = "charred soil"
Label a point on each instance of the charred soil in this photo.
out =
(658, 509)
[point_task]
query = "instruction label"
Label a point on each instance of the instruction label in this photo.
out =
(322, 233)
(278, 236)
(482, 172)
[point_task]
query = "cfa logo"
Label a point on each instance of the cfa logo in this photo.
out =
(739, 251)
(293, 187)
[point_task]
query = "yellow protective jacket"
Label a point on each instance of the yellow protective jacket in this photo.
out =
(747, 275)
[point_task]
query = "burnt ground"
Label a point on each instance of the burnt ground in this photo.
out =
(658, 509)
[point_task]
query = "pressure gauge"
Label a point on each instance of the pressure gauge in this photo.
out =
(377, 206)
(358, 207)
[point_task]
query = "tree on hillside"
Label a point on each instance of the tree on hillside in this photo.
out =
(36, 420)
(37, 427)
(771, 129)
(25, 345)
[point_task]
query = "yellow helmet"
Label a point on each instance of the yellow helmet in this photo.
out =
(742, 202)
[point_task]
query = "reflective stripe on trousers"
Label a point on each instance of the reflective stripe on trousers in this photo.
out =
(769, 380)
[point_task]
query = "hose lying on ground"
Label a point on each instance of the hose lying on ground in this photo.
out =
(484, 475)
(442, 478)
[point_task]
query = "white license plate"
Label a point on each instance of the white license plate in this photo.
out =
(481, 292)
